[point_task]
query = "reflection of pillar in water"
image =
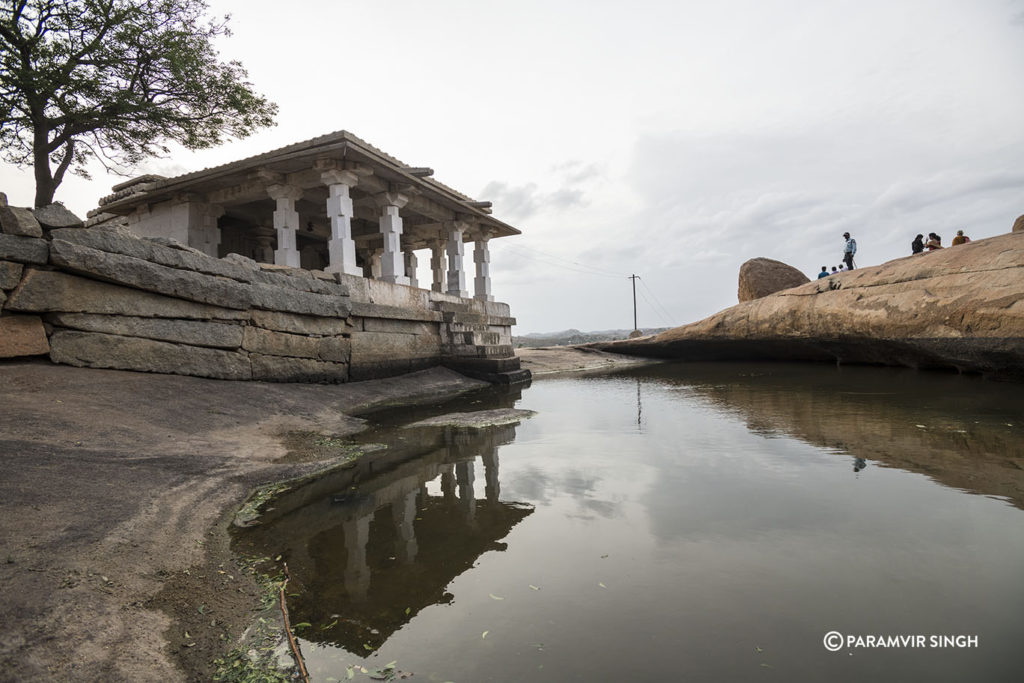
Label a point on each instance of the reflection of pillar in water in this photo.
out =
(448, 483)
(404, 513)
(464, 477)
(491, 486)
(357, 571)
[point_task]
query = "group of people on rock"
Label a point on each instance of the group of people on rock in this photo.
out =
(935, 242)
(916, 247)
(849, 249)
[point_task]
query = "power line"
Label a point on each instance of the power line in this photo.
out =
(579, 267)
(664, 311)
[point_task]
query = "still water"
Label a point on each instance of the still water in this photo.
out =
(681, 522)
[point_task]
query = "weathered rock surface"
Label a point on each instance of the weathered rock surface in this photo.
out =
(476, 420)
(95, 350)
(18, 221)
(300, 324)
(763, 276)
(23, 249)
(280, 343)
(149, 276)
(1018, 225)
(10, 274)
(22, 335)
(55, 216)
(277, 298)
(281, 369)
(154, 250)
(51, 291)
(957, 308)
(194, 332)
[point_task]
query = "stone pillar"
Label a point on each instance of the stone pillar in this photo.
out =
(356, 576)
(265, 252)
(492, 488)
(374, 264)
(456, 275)
(404, 512)
(448, 483)
(482, 259)
(342, 250)
(411, 262)
(437, 265)
(464, 478)
(391, 268)
(286, 222)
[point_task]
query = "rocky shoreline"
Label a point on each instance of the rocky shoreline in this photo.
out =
(961, 308)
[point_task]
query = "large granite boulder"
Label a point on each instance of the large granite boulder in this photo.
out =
(1018, 225)
(55, 216)
(957, 308)
(763, 276)
(18, 221)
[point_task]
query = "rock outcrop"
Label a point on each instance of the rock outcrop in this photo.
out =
(959, 308)
(763, 276)
(1018, 225)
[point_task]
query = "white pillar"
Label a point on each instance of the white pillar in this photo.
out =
(341, 247)
(286, 222)
(403, 512)
(437, 265)
(482, 259)
(356, 575)
(456, 275)
(411, 263)
(391, 267)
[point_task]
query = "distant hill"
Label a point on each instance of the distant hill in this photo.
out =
(573, 336)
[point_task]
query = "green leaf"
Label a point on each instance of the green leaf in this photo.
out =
(302, 624)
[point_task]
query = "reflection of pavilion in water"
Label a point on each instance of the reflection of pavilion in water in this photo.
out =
(371, 546)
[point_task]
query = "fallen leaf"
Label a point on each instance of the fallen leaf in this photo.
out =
(495, 597)
(536, 588)
(484, 634)
(601, 585)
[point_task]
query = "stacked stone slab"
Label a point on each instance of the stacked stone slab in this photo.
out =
(107, 299)
(478, 341)
(21, 246)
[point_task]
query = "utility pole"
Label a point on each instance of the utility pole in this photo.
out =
(633, 278)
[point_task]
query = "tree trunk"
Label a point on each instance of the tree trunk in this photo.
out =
(45, 187)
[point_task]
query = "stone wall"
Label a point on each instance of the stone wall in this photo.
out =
(104, 298)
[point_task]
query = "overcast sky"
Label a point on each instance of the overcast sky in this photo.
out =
(674, 140)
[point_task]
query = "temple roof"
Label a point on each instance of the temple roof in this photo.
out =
(340, 146)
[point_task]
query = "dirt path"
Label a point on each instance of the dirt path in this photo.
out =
(115, 499)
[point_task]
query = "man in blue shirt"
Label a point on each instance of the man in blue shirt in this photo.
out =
(849, 250)
(823, 273)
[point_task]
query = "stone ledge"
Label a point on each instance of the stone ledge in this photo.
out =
(280, 369)
(111, 242)
(96, 350)
(192, 332)
(149, 276)
(24, 249)
(48, 291)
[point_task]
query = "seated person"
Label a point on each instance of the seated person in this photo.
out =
(934, 242)
(823, 273)
(960, 238)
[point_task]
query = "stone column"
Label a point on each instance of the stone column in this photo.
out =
(286, 222)
(456, 275)
(492, 488)
(391, 268)
(411, 262)
(464, 478)
(482, 259)
(341, 248)
(356, 575)
(266, 252)
(437, 265)
(374, 264)
(404, 512)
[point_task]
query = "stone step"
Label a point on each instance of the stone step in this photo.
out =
(496, 373)
(485, 364)
(476, 338)
(465, 318)
(472, 351)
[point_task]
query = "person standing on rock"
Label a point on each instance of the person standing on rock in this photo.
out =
(849, 250)
(960, 238)
(917, 246)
